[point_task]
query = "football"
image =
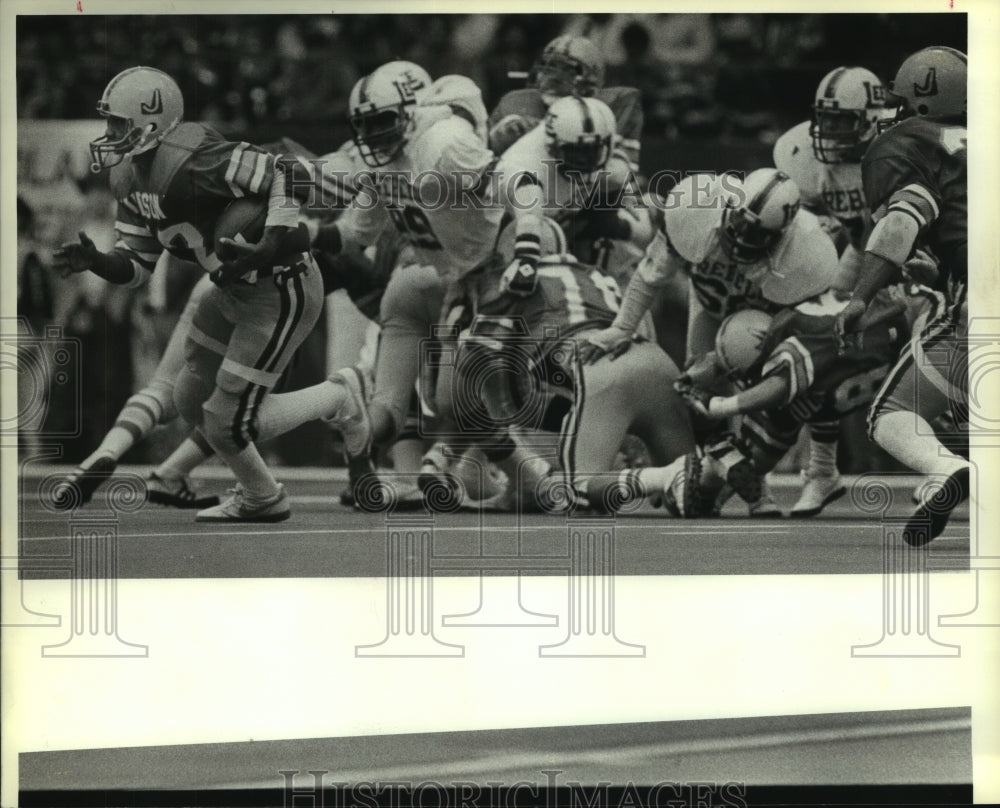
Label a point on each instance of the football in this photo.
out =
(242, 220)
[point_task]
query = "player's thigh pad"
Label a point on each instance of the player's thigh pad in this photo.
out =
(272, 318)
(931, 375)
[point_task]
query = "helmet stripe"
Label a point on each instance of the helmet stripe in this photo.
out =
(588, 122)
(831, 88)
(757, 203)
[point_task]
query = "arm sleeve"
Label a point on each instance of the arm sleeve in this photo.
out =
(792, 360)
(135, 242)
(660, 262)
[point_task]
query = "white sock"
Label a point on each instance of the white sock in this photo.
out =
(282, 412)
(252, 472)
(910, 439)
(186, 457)
(118, 441)
(822, 459)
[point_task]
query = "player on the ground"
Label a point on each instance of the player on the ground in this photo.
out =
(742, 245)
(823, 157)
(916, 186)
(789, 372)
(563, 167)
(174, 180)
(521, 352)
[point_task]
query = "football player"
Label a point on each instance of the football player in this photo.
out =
(915, 182)
(789, 372)
(564, 168)
(742, 245)
(561, 168)
(519, 349)
(173, 181)
(168, 484)
(426, 161)
(823, 157)
(569, 65)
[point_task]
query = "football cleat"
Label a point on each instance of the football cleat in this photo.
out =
(78, 487)
(931, 517)
(240, 507)
(355, 427)
(817, 493)
(441, 489)
(176, 493)
(764, 508)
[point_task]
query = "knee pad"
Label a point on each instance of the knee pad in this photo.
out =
(414, 293)
(191, 391)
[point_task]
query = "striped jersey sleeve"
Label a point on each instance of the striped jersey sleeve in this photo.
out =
(136, 241)
(794, 361)
(232, 170)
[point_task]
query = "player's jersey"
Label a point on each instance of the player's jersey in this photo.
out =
(625, 103)
(569, 298)
(802, 265)
(824, 384)
(174, 204)
(430, 193)
(919, 167)
(564, 195)
(833, 189)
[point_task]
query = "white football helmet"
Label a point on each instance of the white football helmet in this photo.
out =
(739, 341)
(579, 133)
(569, 65)
(850, 102)
(752, 223)
(552, 240)
(140, 104)
(381, 110)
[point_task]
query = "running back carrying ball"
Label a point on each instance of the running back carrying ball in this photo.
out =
(242, 221)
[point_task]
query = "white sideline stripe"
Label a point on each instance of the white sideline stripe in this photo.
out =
(472, 766)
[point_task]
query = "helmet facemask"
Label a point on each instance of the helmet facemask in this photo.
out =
(380, 134)
(586, 156)
(840, 135)
(556, 75)
(743, 238)
(120, 139)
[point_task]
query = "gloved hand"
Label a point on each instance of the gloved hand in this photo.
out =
(76, 257)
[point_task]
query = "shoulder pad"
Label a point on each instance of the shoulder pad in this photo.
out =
(793, 154)
(174, 150)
